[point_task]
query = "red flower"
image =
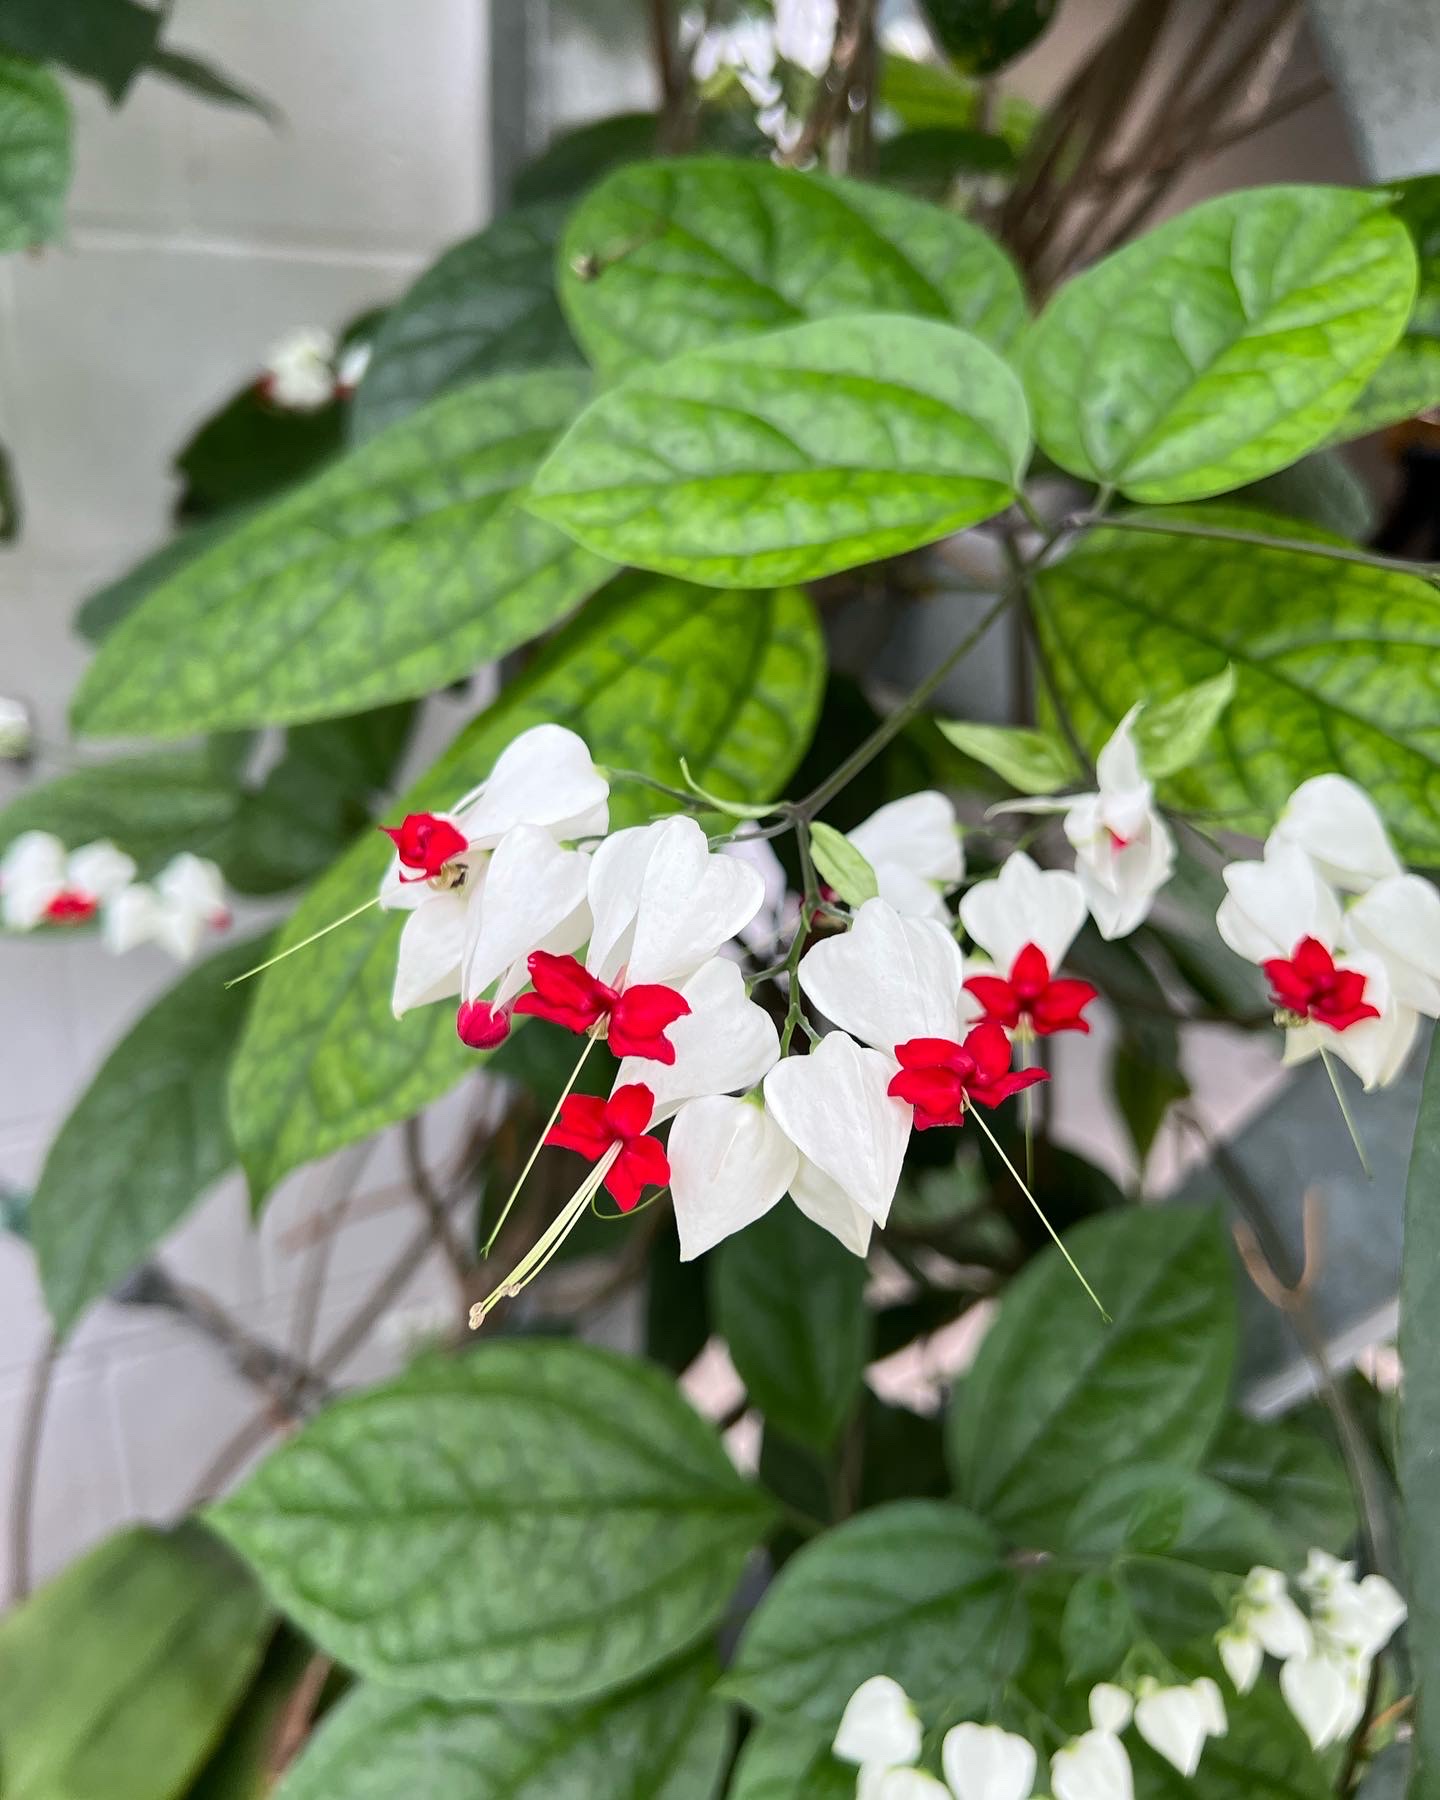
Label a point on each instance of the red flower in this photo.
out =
(426, 843)
(593, 1126)
(71, 908)
(481, 1025)
(1309, 985)
(567, 994)
(939, 1078)
(1030, 995)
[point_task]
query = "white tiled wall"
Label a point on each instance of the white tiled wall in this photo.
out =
(196, 235)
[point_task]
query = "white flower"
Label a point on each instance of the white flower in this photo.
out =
(1398, 920)
(1111, 1707)
(982, 1762)
(1175, 1721)
(16, 731)
(1321, 1691)
(351, 368)
(1266, 1613)
(1337, 826)
(729, 1164)
(805, 33)
(889, 979)
(544, 778)
(913, 845)
(1094, 1766)
(878, 1783)
(186, 899)
(723, 1045)
(878, 1725)
(1242, 1657)
(40, 884)
(746, 46)
(1024, 905)
(299, 373)
(532, 897)
(779, 911)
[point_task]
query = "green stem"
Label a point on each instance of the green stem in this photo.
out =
(1260, 540)
(1345, 1112)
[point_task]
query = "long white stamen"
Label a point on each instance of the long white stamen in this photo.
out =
(974, 1114)
(314, 936)
(590, 1043)
(549, 1242)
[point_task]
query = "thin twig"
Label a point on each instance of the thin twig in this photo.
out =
(1261, 540)
(297, 1720)
(432, 1203)
(854, 28)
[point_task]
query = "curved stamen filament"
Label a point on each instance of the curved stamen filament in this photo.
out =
(304, 943)
(590, 1042)
(533, 1263)
(1040, 1212)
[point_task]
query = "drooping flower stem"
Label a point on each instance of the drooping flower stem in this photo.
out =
(304, 943)
(1345, 1112)
(538, 1256)
(590, 1042)
(974, 1113)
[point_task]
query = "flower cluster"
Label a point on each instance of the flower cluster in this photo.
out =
(1325, 1657)
(756, 51)
(307, 369)
(881, 1733)
(43, 884)
(1349, 942)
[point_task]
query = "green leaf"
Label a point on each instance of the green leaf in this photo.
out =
(538, 1521)
(842, 865)
(118, 1677)
(1293, 1474)
(1171, 734)
(144, 1142)
(103, 610)
(983, 35)
(1035, 762)
(917, 1591)
(402, 567)
(667, 1740)
(789, 1762)
(786, 457)
(1055, 1393)
(1222, 345)
(790, 1303)
(929, 162)
(928, 96)
(249, 451)
(648, 667)
(199, 76)
(1145, 1089)
(106, 41)
(1321, 489)
(1334, 666)
(576, 160)
(1408, 381)
(1420, 1424)
(34, 154)
(665, 257)
(487, 306)
(1097, 1627)
(239, 1767)
(151, 806)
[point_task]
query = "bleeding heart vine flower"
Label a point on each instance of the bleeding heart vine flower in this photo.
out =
(186, 899)
(546, 779)
(1026, 919)
(1176, 1720)
(614, 1131)
(299, 370)
(1336, 824)
(880, 1731)
(662, 904)
(1094, 1766)
(913, 845)
(42, 884)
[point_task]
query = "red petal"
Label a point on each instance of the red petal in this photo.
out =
(1287, 989)
(934, 1093)
(1060, 1006)
(423, 841)
(1030, 975)
(582, 1126)
(481, 1025)
(71, 908)
(991, 1093)
(1313, 962)
(628, 1110)
(989, 1050)
(639, 1018)
(1340, 1018)
(928, 1053)
(565, 992)
(999, 999)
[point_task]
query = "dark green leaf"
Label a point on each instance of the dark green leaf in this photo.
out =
(1420, 1424)
(1055, 1393)
(118, 1677)
(487, 306)
(1144, 1092)
(250, 451)
(10, 502)
(790, 1762)
(1322, 489)
(904, 1454)
(538, 1521)
(917, 1591)
(1222, 345)
(402, 567)
(1097, 1628)
(1293, 1474)
(666, 257)
(677, 1303)
(203, 78)
(983, 35)
(240, 1767)
(34, 154)
(931, 161)
(1334, 666)
(106, 41)
(666, 1740)
(786, 457)
(578, 159)
(649, 669)
(146, 1139)
(151, 806)
(790, 1303)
